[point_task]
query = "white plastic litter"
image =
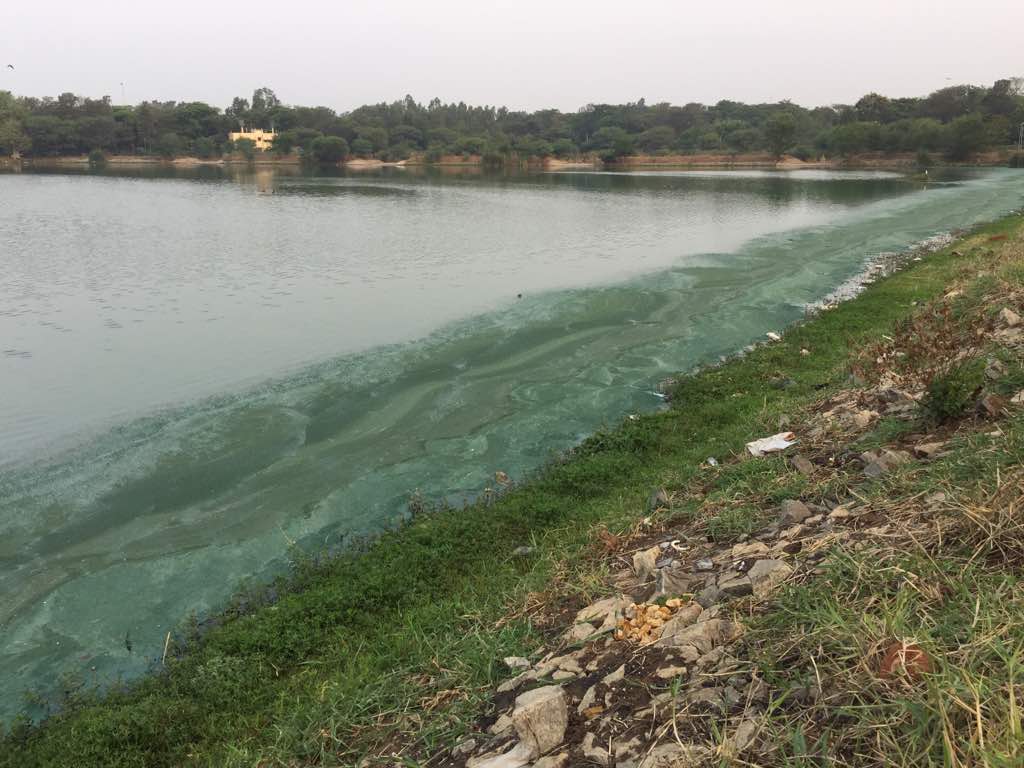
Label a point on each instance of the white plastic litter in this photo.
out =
(712, 461)
(773, 336)
(773, 444)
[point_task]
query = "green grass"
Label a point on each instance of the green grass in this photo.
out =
(367, 644)
(960, 597)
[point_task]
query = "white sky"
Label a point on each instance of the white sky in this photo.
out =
(523, 54)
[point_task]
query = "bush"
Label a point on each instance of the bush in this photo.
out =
(924, 160)
(329, 149)
(1017, 160)
(950, 394)
(97, 158)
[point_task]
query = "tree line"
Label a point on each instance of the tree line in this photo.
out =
(956, 121)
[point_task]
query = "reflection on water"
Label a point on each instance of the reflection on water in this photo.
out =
(201, 366)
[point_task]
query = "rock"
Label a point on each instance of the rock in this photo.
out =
(750, 549)
(704, 699)
(802, 465)
(657, 500)
(765, 575)
(626, 750)
(516, 662)
(928, 450)
(501, 725)
(594, 752)
(863, 419)
(674, 581)
(1018, 398)
(884, 461)
(670, 672)
(708, 596)
(995, 369)
(560, 760)
(521, 754)
(704, 564)
(589, 697)
(1009, 318)
(793, 511)
(993, 404)
(773, 336)
(540, 718)
(613, 677)
(702, 636)
(464, 747)
(518, 680)
(839, 513)
(682, 619)
(675, 755)
(735, 584)
(604, 614)
(560, 674)
(804, 352)
(645, 563)
(741, 738)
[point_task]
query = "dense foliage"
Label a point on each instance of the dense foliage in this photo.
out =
(957, 121)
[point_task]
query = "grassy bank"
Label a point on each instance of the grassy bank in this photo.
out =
(401, 645)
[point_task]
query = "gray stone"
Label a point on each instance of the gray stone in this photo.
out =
(793, 511)
(464, 747)
(674, 581)
(702, 636)
(736, 743)
(560, 760)
(613, 677)
(521, 754)
(1009, 318)
(881, 463)
(594, 752)
(705, 564)
(708, 596)
(675, 755)
(683, 618)
(766, 574)
(657, 500)
(802, 465)
(645, 563)
(735, 584)
(670, 672)
(516, 662)
(540, 718)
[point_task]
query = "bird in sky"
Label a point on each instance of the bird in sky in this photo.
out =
(10, 66)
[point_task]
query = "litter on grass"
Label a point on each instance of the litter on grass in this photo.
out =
(773, 444)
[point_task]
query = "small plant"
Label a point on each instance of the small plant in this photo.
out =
(950, 394)
(924, 160)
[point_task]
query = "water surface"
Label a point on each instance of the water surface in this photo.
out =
(199, 369)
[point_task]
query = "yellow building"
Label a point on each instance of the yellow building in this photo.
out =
(263, 140)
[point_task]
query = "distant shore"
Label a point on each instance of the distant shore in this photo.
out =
(876, 160)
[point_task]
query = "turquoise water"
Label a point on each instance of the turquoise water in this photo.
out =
(200, 370)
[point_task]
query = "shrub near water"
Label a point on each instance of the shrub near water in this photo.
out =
(950, 394)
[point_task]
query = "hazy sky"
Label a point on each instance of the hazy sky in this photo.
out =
(524, 54)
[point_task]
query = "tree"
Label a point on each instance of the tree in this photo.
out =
(246, 148)
(205, 148)
(12, 138)
(780, 131)
(168, 145)
(967, 135)
(329, 149)
(362, 147)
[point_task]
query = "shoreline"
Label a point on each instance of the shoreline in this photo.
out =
(229, 616)
(870, 160)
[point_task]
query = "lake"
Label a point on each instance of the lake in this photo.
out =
(200, 369)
